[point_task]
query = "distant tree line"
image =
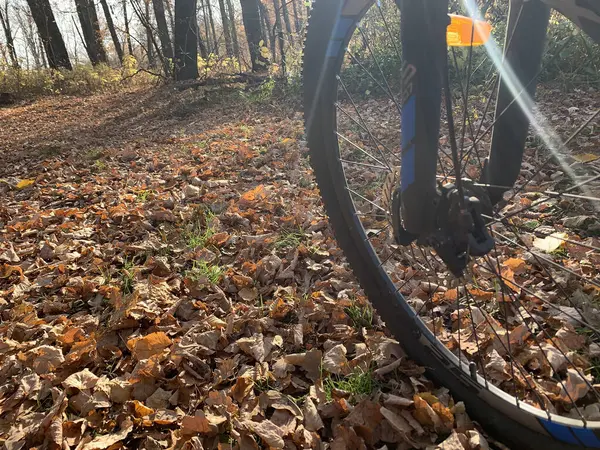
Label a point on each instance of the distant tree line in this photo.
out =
(167, 36)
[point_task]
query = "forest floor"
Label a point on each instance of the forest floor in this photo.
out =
(168, 280)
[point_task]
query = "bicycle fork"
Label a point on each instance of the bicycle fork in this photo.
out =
(449, 218)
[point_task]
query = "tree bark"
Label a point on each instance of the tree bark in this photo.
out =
(279, 32)
(111, 29)
(269, 31)
(10, 43)
(254, 34)
(286, 19)
(186, 47)
(54, 45)
(201, 45)
(226, 30)
(169, 8)
(127, 35)
(234, 35)
(149, 40)
(163, 29)
(90, 28)
(212, 27)
(297, 25)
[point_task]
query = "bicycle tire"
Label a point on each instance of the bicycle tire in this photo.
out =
(331, 24)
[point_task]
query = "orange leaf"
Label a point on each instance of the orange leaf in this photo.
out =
(147, 346)
(141, 410)
(253, 196)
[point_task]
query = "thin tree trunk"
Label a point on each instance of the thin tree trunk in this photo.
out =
(234, 35)
(169, 8)
(297, 25)
(286, 19)
(163, 34)
(279, 33)
(127, 35)
(54, 44)
(149, 47)
(201, 45)
(212, 27)
(186, 47)
(30, 38)
(209, 41)
(254, 34)
(10, 43)
(226, 31)
(111, 28)
(269, 31)
(42, 53)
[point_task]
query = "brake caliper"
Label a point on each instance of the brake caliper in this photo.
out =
(461, 232)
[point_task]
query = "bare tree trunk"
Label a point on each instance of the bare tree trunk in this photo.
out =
(90, 28)
(26, 24)
(127, 35)
(252, 25)
(10, 43)
(212, 27)
(234, 35)
(226, 30)
(268, 28)
(163, 28)
(297, 25)
(201, 45)
(51, 37)
(206, 27)
(169, 8)
(149, 40)
(186, 47)
(286, 19)
(279, 33)
(111, 29)
(163, 34)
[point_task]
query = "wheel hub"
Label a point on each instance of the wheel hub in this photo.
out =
(460, 230)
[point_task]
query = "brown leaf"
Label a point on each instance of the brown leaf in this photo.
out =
(254, 346)
(105, 441)
(196, 424)
(334, 360)
(451, 443)
(309, 361)
(270, 433)
(47, 359)
(312, 420)
(242, 387)
(81, 380)
(149, 345)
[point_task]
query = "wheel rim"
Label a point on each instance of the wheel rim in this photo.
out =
(369, 155)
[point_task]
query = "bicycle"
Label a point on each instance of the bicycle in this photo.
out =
(420, 211)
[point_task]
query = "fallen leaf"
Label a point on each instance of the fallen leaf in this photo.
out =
(550, 243)
(105, 441)
(574, 387)
(149, 345)
(81, 380)
(24, 183)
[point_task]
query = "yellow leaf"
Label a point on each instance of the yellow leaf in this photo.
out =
(261, 43)
(550, 243)
(586, 157)
(25, 183)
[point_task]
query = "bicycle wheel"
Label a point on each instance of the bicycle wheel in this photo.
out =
(516, 337)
